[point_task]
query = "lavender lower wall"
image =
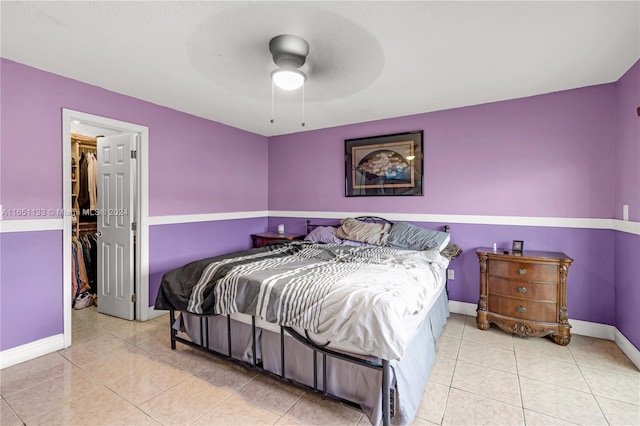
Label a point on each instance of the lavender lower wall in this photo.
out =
(627, 278)
(171, 246)
(590, 284)
(31, 291)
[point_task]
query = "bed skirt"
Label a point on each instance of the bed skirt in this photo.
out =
(356, 383)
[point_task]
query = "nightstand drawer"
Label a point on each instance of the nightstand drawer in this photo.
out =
(524, 271)
(523, 309)
(524, 290)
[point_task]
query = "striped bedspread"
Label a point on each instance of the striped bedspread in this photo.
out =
(375, 298)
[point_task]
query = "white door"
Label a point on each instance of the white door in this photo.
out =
(115, 218)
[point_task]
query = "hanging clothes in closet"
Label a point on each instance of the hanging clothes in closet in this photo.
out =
(83, 270)
(88, 186)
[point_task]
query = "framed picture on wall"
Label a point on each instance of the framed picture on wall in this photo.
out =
(384, 165)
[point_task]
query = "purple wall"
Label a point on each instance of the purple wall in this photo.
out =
(171, 246)
(549, 155)
(627, 144)
(627, 246)
(31, 290)
(194, 164)
(194, 167)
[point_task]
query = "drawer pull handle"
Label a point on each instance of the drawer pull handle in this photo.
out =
(522, 290)
(522, 309)
(522, 271)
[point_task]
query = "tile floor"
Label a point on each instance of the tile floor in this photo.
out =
(124, 373)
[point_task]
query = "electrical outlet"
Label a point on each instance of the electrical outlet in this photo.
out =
(625, 212)
(451, 274)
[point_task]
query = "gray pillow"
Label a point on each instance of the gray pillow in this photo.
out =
(407, 236)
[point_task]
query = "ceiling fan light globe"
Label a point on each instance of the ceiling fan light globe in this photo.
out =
(288, 79)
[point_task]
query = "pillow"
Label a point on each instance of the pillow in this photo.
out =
(370, 233)
(323, 234)
(407, 236)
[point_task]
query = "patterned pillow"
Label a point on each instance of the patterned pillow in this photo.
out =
(323, 234)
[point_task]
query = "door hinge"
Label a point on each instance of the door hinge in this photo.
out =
(134, 298)
(133, 226)
(134, 154)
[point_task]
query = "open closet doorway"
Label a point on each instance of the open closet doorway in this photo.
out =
(105, 199)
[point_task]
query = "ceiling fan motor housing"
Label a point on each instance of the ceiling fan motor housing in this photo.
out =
(289, 51)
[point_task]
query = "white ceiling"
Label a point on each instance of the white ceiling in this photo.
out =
(368, 60)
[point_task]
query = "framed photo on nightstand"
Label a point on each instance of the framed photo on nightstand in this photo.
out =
(517, 246)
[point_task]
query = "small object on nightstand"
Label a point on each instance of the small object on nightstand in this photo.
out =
(495, 247)
(265, 238)
(517, 246)
(506, 252)
(281, 229)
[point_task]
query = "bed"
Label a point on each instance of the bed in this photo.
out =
(356, 320)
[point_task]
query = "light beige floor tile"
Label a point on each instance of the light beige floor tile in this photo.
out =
(312, 409)
(226, 374)
(155, 346)
(128, 329)
(464, 408)
(488, 356)
(419, 422)
(238, 411)
(493, 336)
(621, 387)
(550, 371)
(53, 393)
(27, 374)
(7, 416)
(542, 347)
(485, 381)
(94, 408)
(134, 417)
(455, 326)
(448, 347)
(442, 371)
(122, 363)
(600, 353)
(288, 422)
(434, 402)
(190, 359)
(560, 402)
(185, 402)
(100, 348)
(271, 394)
(533, 418)
(142, 386)
(619, 413)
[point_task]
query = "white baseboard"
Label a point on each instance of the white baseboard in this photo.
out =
(592, 329)
(463, 308)
(628, 348)
(153, 313)
(31, 350)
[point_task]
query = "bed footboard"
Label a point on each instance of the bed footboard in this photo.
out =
(387, 390)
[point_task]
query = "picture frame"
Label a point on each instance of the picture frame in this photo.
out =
(517, 246)
(386, 165)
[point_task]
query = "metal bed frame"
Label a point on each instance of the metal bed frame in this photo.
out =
(388, 393)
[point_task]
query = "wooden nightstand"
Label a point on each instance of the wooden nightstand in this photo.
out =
(265, 238)
(524, 293)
